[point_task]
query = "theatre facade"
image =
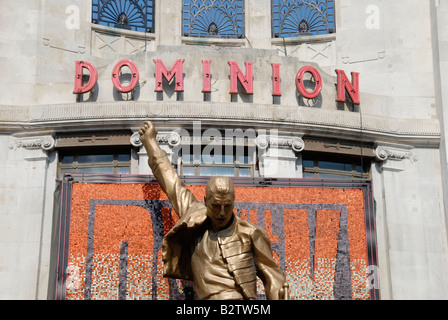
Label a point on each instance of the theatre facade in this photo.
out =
(328, 114)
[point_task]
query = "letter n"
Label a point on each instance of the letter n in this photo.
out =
(236, 75)
(175, 71)
(345, 85)
(80, 66)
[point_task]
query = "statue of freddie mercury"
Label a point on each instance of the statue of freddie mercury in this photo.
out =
(220, 252)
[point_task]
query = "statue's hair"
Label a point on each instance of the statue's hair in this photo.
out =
(221, 186)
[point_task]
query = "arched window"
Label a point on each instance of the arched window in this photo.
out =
(137, 15)
(294, 18)
(213, 18)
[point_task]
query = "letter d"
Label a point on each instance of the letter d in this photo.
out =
(79, 88)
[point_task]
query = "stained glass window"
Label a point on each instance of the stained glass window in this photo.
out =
(137, 15)
(213, 18)
(293, 18)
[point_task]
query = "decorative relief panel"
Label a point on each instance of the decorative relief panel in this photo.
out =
(108, 44)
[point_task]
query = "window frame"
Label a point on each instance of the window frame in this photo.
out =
(76, 152)
(332, 158)
(197, 163)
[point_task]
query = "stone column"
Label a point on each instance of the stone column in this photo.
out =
(258, 23)
(168, 22)
(411, 233)
(27, 178)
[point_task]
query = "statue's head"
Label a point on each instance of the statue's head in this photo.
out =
(219, 199)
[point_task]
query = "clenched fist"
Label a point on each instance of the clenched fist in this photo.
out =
(147, 132)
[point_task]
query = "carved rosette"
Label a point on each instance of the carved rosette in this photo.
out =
(135, 140)
(171, 138)
(296, 144)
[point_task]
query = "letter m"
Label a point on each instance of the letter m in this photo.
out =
(175, 71)
(236, 75)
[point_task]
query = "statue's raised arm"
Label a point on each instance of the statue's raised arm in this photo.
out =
(180, 197)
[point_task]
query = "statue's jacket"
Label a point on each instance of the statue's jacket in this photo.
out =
(245, 247)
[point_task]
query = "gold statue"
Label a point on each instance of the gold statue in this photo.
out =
(220, 252)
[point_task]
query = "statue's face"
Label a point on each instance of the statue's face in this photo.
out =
(219, 210)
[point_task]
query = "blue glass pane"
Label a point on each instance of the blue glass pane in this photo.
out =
(210, 157)
(95, 158)
(308, 175)
(124, 157)
(335, 166)
(229, 158)
(333, 176)
(189, 158)
(123, 170)
(245, 172)
(217, 171)
(67, 170)
(308, 163)
(67, 159)
(96, 170)
(188, 171)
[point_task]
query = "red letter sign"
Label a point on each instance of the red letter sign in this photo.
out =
(206, 76)
(276, 79)
(79, 88)
(176, 70)
(134, 76)
(344, 84)
(317, 82)
(236, 74)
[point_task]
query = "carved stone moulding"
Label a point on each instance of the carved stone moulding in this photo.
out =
(46, 143)
(173, 139)
(328, 123)
(394, 152)
(295, 143)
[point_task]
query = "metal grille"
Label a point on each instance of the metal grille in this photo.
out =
(213, 18)
(293, 18)
(137, 15)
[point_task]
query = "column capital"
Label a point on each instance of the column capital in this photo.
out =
(295, 143)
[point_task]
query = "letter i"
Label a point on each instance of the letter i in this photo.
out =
(206, 76)
(276, 91)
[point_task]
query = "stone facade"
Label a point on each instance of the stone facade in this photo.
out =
(399, 50)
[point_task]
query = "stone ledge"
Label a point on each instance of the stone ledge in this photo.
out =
(307, 120)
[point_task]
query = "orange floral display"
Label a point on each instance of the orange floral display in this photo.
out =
(318, 234)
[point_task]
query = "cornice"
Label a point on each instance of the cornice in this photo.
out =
(344, 124)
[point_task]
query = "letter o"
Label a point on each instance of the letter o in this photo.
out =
(317, 80)
(134, 76)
